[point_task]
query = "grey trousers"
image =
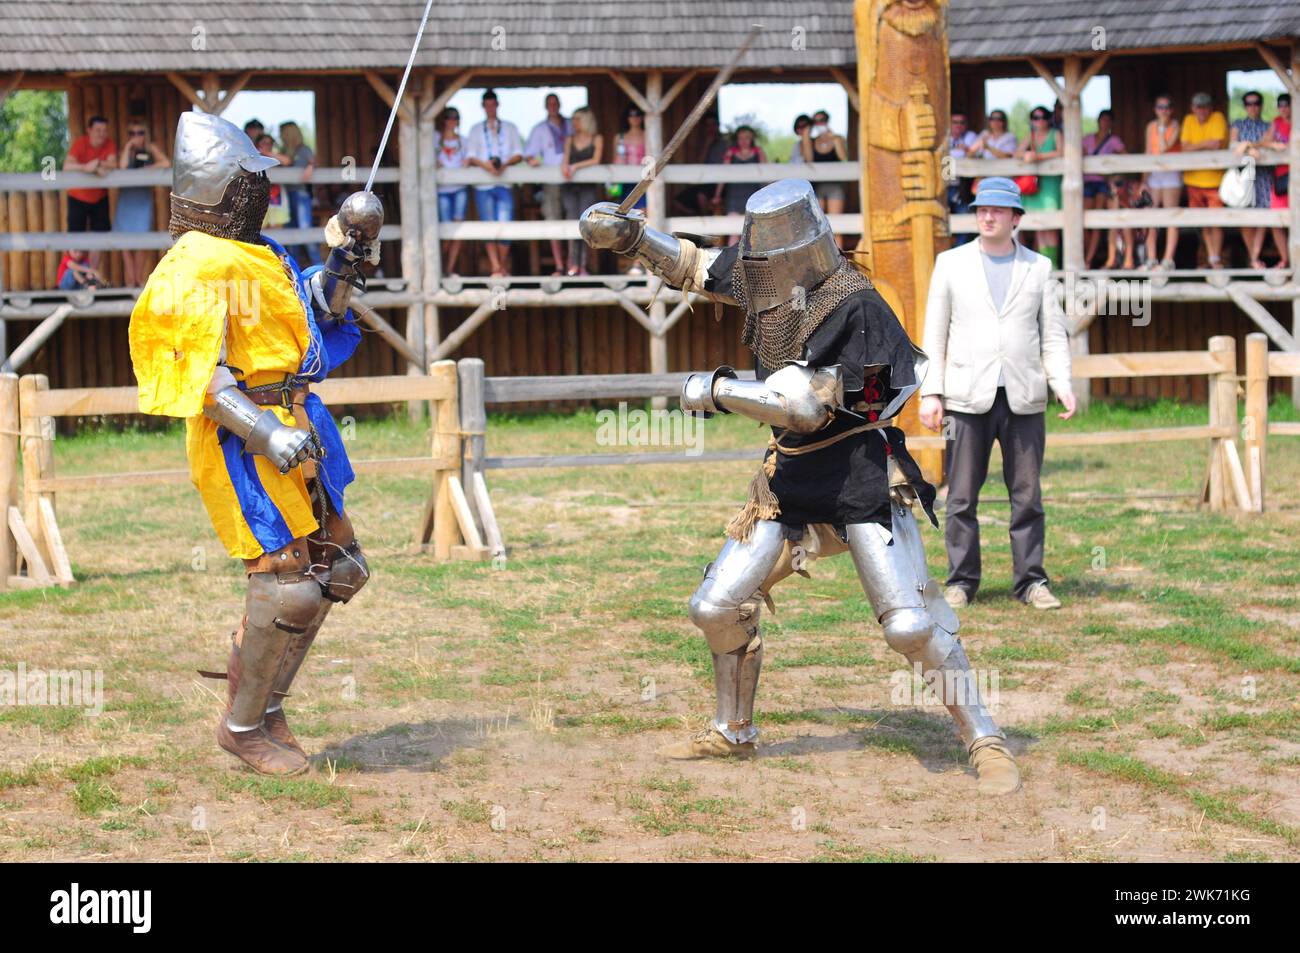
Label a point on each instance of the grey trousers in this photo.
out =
(966, 463)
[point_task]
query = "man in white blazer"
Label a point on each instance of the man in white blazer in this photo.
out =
(997, 339)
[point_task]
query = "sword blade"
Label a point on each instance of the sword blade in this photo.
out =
(684, 130)
(397, 99)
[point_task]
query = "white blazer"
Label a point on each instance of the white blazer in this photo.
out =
(968, 339)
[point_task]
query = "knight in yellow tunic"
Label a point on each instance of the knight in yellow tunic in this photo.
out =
(228, 334)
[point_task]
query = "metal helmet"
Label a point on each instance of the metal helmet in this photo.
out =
(786, 244)
(218, 181)
(210, 153)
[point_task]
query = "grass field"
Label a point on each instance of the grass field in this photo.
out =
(469, 712)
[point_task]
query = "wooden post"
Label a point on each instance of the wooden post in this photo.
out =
(431, 273)
(473, 421)
(1293, 200)
(440, 515)
(656, 217)
(1256, 427)
(38, 450)
(1223, 413)
(903, 70)
(408, 190)
(1072, 237)
(9, 428)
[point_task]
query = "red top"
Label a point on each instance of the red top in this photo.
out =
(83, 151)
(64, 262)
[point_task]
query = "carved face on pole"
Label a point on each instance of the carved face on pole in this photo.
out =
(913, 17)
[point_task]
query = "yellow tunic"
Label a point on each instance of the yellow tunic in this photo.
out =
(203, 289)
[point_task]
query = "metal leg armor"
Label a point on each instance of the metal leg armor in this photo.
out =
(726, 609)
(917, 621)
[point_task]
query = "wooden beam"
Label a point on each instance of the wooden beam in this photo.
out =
(1094, 67)
(1047, 77)
(1293, 213)
(678, 85)
(28, 549)
(437, 105)
(10, 86)
(386, 93)
(232, 91)
(188, 91)
(850, 87)
(462, 333)
(211, 92)
(646, 105)
(1072, 243)
(1263, 320)
(1278, 67)
(387, 332)
(641, 317)
(657, 216)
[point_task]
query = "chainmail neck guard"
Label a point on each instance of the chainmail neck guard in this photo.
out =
(239, 216)
(777, 336)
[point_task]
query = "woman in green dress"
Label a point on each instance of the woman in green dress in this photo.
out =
(1043, 143)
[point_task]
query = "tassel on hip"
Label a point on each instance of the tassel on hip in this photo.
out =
(762, 503)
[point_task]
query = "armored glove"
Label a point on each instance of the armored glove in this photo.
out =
(602, 226)
(261, 430)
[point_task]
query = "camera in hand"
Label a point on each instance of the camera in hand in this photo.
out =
(496, 163)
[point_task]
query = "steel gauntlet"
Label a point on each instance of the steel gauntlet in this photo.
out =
(260, 429)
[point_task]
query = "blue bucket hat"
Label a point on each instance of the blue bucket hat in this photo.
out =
(998, 191)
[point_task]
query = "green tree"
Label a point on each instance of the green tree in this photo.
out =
(33, 125)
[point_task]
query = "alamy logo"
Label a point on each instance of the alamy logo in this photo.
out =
(103, 906)
(74, 688)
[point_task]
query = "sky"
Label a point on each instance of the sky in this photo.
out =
(775, 104)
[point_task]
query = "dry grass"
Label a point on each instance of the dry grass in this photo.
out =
(462, 712)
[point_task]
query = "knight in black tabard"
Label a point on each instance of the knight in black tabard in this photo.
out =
(834, 367)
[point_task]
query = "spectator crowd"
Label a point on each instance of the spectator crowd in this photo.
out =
(1129, 249)
(576, 142)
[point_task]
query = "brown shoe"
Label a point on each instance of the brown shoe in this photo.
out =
(709, 743)
(277, 726)
(995, 767)
(257, 750)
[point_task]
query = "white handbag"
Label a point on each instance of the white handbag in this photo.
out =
(1238, 186)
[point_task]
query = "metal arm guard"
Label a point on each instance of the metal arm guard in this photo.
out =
(331, 287)
(797, 398)
(677, 260)
(260, 429)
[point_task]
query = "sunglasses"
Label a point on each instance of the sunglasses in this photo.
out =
(1038, 116)
(1254, 102)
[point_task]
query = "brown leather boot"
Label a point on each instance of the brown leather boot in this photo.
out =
(277, 726)
(257, 750)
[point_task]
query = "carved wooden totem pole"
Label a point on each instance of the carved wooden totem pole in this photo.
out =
(904, 94)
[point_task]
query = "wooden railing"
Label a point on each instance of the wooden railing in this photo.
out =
(32, 552)
(459, 520)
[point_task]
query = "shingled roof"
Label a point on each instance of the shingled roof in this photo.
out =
(136, 35)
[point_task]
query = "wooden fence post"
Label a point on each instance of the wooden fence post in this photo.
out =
(439, 518)
(473, 427)
(38, 451)
(1256, 426)
(1226, 482)
(10, 422)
